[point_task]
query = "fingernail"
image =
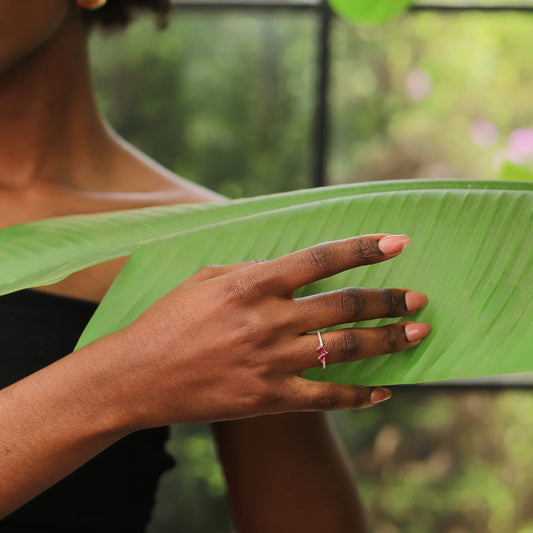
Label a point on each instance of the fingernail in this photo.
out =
(393, 244)
(415, 332)
(415, 300)
(379, 394)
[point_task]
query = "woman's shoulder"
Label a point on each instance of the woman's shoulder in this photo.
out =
(139, 181)
(136, 182)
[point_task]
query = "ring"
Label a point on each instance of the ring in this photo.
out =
(322, 351)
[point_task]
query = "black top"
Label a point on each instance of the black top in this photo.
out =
(114, 491)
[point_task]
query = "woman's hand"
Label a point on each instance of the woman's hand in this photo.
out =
(229, 343)
(232, 342)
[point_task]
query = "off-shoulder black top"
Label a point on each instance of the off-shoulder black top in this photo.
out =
(114, 491)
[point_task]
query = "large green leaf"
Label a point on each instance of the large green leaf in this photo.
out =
(480, 301)
(44, 252)
(370, 11)
(471, 253)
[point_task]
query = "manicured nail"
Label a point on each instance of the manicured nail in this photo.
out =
(417, 331)
(415, 300)
(379, 394)
(393, 244)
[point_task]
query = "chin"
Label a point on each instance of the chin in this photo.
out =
(26, 26)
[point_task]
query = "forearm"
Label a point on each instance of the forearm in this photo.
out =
(54, 421)
(287, 473)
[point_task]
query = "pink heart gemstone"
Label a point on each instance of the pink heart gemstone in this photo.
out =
(323, 352)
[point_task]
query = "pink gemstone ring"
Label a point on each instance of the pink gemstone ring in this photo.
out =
(322, 351)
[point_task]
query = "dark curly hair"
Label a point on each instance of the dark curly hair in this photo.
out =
(119, 13)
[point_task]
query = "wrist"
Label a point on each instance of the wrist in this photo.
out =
(104, 383)
(55, 420)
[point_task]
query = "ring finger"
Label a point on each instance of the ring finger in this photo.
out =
(354, 344)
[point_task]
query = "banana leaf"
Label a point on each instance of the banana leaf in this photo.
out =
(470, 253)
(44, 252)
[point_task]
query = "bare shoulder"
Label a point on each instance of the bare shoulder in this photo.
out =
(137, 182)
(142, 180)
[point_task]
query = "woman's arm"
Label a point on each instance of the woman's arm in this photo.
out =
(57, 419)
(229, 343)
(288, 473)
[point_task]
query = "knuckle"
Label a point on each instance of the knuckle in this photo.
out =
(367, 249)
(262, 395)
(239, 289)
(394, 337)
(251, 400)
(352, 301)
(321, 258)
(273, 398)
(253, 330)
(327, 400)
(209, 271)
(394, 300)
(349, 344)
(254, 324)
(361, 397)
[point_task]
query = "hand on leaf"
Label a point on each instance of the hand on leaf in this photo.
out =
(231, 342)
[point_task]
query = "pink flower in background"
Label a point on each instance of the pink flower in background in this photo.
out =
(521, 144)
(484, 133)
(418, 84)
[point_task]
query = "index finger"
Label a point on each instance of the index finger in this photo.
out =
(290, 272)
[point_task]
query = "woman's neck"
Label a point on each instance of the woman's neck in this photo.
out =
(50, 129)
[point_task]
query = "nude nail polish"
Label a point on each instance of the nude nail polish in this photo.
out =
(379, 394)
(393, 244)
(417, 331)
(415, 300)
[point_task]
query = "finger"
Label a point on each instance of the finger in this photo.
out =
(354, 344)
(286, 274)
(352, 305)
(213, 271)
(306, 395)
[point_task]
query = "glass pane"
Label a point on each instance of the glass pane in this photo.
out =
(431, 96)
(224, 99)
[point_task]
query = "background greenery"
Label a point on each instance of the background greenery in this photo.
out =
(226, 99)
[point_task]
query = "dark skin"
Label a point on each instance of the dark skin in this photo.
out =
(56, 419)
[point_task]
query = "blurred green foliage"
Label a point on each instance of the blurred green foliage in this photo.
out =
(512, 172)
(212, 98)
(430, 96)
(444, 461)
(226, 99)
(375, 12)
